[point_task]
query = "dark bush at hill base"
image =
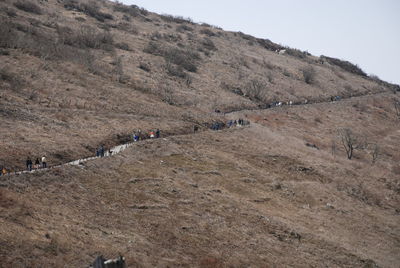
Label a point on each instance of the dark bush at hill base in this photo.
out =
(345, 65)
(28, 6)
(89, 8)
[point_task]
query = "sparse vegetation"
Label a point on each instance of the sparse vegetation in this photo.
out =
(345, 65)
(176, 19)
(90, 8)
(131, 10)
(86, 37)
(350, 141)
(309, 74)
(184, 28)
(28, 6)
(397, 108)
(185, 58)
(255, 90)
(297, 53)
(123, 46)
(208, 44)
(207, 32)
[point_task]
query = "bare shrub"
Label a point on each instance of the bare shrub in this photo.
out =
(297, 53)
(269, 45)
(182, 28)
(207, 32)
(187, 59)
(176, 19)
(123, 46)
(270, 77)
(154, 48)
(397, 108)
(268, 64)
(350, 141)
(86, 37)
(14, 81)
(374, 151)
(208, 44)
(145, 67)
(28, 6)
(308, 74)
(345, 65)
(90, 8)
(174, 70)
(8, 35)
(255, 90)
(131, 10)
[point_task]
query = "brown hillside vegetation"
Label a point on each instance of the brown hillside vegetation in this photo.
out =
(280, 192)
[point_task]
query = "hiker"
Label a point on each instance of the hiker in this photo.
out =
(102, 151)
(136, 137)
(44, 163)
(29, 164)
(37, 164)
(97, 152)
(157, 133)
(4, 171)
(151, 134)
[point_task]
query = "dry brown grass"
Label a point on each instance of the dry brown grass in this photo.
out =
(254, 196)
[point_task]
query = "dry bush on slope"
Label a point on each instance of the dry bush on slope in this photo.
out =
(28, 6)
(90, 8)
(308, 74)
(86, 37)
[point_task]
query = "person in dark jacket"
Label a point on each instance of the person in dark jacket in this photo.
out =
(37, 163)
(29, 164)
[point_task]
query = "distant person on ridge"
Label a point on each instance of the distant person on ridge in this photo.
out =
(37, 163)
(44, 163)
(4, 171)
(151, 134)
(102, 150)
(29, 164)
(157, 133)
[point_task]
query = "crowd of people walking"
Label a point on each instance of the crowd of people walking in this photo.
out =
(42, 163)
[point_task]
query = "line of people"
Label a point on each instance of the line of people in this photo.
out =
(38, 163)
(152, 134)
(229, 124)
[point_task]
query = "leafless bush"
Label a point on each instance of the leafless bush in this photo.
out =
(270, 77)
(297, 53)
(174, 70)
(255, 90)
(350, 141)
(186, 59)
(308, 74)
(374, 151)
(86, 37)
(345, 65)
(176, 19)
(208, 44)
(207, 32)
(123, 46)
(182, 28)
(8, 35)
(28, 6)
(14, 81)
(145, 67)
(90, 8)
(154, 48)
(397, 108)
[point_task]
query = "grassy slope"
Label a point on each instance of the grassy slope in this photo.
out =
(236, 197)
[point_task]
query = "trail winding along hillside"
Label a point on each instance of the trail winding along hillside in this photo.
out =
(280, 192)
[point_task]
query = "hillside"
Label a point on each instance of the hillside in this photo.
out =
(277, 193)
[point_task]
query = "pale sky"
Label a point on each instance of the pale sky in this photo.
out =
(364, 32)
